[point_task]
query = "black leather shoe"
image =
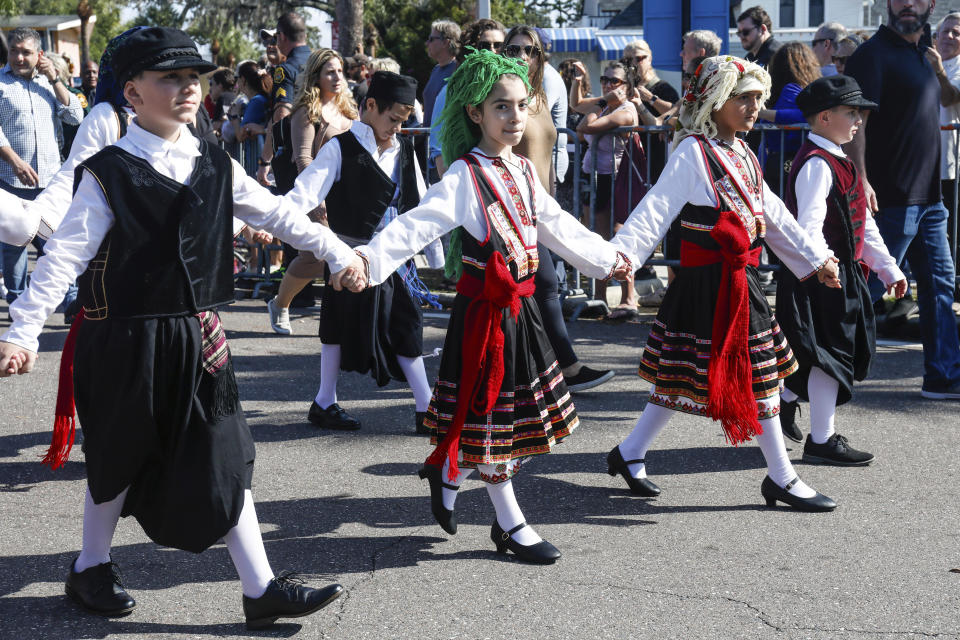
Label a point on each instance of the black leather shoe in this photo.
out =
(333, 417)
(541, 553)
(836, 450)
(771, 493)
(638, 486)
(99, 590)
(287, 597)
(788, 420)
(422, 429)
(446, 518)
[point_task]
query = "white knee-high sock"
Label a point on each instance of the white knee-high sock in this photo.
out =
(651, 422)
(99, 523)
(779, 467)
(449, 495)
(416, 375)
(245, 545)
(508, 511)
(788, 396)
(329, 372)
(823, 404)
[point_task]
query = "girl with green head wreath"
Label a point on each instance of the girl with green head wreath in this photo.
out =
(500, 397)
(469, 85)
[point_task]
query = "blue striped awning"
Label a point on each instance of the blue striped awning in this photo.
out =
(572, 39)
(610, 45)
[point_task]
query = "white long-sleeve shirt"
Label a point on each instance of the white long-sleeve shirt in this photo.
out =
(90, 218)
(452, 202)
(814, 181)
(686, 178)
(315, 181)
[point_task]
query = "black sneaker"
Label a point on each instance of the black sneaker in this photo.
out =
(836, 450)
(99, 590)
(287, 597)
(333, 417)
(788, 421)
(587, 378)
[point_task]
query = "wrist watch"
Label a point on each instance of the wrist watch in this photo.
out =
(56, 80)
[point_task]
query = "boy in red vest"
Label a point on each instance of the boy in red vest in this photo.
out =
(831, 331)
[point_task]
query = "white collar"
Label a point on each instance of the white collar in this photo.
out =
(823, 143)
(368, 139)
(186, 145)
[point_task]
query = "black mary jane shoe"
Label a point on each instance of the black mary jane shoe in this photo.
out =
(99, 590)
(422, 429)
(287, 597)
(788, 420)
(772, 493)
(638, 486)
(333, 417)
(446, 518)
(541, 553)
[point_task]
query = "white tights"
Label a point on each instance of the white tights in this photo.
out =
(412, 368)
(822, 390)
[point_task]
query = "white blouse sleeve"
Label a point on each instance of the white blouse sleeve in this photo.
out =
(564, 235)
(286, 218)
(788, 239)
(66, 256)
(18, 225)
(814, 181)
(651, 218)
(98, 129)
(448, 204)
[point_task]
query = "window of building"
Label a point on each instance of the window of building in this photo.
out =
(787, 14)
(816, 13)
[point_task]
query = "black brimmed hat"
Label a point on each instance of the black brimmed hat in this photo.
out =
(829, 92)
(392, 87)
(157, 49)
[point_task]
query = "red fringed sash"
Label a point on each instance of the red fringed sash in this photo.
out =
(482, 366)
(730, 376)
(65, 423)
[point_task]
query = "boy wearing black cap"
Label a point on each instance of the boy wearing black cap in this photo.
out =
(832, 332)
(149, 233)
(367, 176)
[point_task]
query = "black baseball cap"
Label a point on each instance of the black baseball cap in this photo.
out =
(157, 49)
(829, 92)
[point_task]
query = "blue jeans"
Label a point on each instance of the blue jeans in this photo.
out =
(14, 258)
(919, 234)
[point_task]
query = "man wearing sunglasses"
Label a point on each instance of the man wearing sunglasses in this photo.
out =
(755, 30)
(826, 44)
(443, 44)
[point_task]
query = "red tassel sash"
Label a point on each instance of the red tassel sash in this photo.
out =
(730, 374)
(482, 366)
(65, 423)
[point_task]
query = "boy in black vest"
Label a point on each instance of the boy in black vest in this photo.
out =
(831, 331)
(367, 176)
(149, 233)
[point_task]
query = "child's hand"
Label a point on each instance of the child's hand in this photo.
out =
(623, 269)
(353, 277)
(15, 359)
(898, 288)
(828, 274)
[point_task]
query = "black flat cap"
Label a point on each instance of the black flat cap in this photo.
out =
(157, 49)
(829, 92)
(392, 87)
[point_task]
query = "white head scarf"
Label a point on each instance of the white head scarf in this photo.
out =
(715, 81)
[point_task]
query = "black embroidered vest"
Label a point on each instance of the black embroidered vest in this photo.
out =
(356, 203)
(169, 250)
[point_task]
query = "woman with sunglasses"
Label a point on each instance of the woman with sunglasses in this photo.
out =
(614, 109)
(548, 112)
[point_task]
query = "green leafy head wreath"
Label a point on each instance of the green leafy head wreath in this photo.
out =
(470, 84)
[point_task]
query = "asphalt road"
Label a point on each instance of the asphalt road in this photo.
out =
(705, 560)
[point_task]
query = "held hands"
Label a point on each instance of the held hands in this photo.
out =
(828, 274)
(623, 269)
(15, 359)
(898, 288)
(353, 277)
(263, 237)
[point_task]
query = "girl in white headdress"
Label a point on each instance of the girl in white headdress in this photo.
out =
(715, 348)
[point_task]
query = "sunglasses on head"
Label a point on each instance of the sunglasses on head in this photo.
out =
(490, 46)
(514, 50)
(611, 80)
